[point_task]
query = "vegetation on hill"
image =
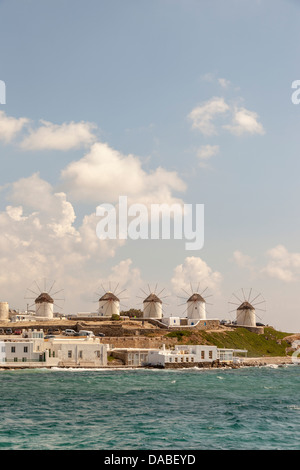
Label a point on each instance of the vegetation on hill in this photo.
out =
(270, 343)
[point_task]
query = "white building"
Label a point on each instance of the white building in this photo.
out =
(77, 352)
(2, 352)
(183, 354)
(191, 354)
(171, 321)
(33, 350)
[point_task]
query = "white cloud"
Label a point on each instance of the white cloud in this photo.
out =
(223, 82)
(202, 116)
(39, 238)
(245, 122)
(194, 270)
(104, 174)
(242, 260)
(283, 265)
(206, 152)
(10, 126)
(64, 136)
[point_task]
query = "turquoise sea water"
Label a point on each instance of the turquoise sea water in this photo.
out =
(247, 408)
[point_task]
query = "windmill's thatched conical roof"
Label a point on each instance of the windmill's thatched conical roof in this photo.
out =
(152, 298)
(109, 296)
(246, 306)
(44, 297)
(196, 298)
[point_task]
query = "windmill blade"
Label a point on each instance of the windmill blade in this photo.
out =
(117, 295)
(160, 292)
(51, 287)
(249, 294)
(237, 298)
(57, 306)
(116, 288)
(144, 292)
(258, 303)
(204, 291)
(185, 292)
(37, 286)
(33, 292)
(57, 292)
(198, 287)
(155, 288)
(244, 294)
(255, 298)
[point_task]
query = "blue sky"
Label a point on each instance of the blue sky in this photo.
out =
(129, 74)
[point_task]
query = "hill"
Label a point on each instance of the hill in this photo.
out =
(271, 343)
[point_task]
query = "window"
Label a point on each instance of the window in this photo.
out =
(80, 354)
(181, 359)
(192, 359)
(202, 355)
(25, 349)
(186, 359)
(69, 354)
(210, 354)
(24, 359)
(176, 359)
(13, 349)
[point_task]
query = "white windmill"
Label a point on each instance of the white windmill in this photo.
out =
(196, 302)
(109, 301)
(45, 297)
(247, 302)
(152, 303)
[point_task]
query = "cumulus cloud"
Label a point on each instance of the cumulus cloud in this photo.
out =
(282, 264)
(242, 260)
(64, 136)
(202, 116)
(104, 174)
(194, 270)
(39, 237)
(245, 122)
(10, 126)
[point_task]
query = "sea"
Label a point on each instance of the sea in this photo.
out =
(250, 408)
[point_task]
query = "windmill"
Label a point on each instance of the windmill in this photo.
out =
(109, 301)
(247, 302)
(46, 295)
(152, 303)
(196, 302)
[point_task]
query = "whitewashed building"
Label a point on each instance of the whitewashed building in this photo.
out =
(191, 354)
(76, 352)
(33, 350)
(183, 354)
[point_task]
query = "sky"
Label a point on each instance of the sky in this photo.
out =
(168, 101)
